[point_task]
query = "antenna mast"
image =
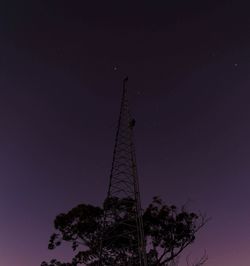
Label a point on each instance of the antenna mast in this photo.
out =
(123, 191)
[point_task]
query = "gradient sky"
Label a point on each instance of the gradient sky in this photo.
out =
(61, 70)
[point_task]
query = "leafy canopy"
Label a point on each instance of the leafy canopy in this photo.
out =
(168, 231)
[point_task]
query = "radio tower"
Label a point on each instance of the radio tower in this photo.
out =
(122, 242)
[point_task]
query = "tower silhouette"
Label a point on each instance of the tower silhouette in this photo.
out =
(122, 241)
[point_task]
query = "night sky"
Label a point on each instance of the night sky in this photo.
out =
(61, 69)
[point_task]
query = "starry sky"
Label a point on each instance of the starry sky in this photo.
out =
(61, 69)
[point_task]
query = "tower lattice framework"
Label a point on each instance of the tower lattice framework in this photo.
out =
(123, 190)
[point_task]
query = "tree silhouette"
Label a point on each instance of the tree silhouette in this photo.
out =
(168, 231)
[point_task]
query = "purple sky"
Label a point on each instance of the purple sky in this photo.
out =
(62, 66)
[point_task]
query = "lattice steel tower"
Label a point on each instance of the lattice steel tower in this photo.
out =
(123, 191)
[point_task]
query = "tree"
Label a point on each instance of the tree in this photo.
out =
(168, 231)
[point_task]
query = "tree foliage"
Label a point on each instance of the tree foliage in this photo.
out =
(168, 231)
